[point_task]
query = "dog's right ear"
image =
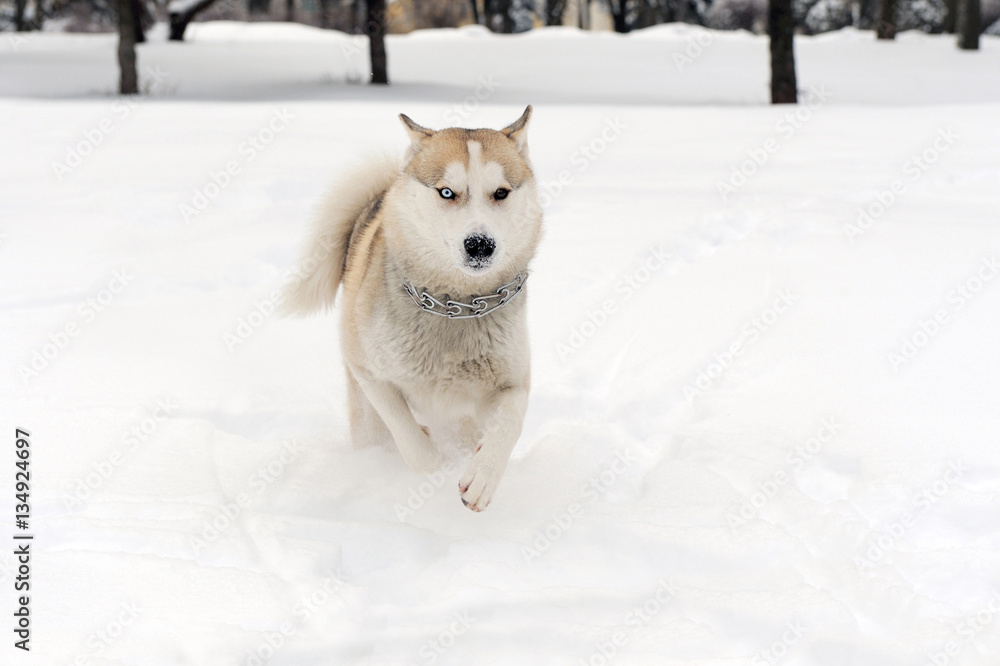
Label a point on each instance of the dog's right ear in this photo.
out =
(417, 134)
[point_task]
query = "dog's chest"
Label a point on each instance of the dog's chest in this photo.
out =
(420, 348)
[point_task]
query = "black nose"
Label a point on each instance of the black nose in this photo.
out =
(479, 247)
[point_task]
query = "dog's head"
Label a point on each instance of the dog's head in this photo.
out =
(469, 198)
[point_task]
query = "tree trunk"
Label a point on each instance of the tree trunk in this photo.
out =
(324, 14)
(179, 20)
(647, 15)
(617, 8)
(139, 16)
(781, 29)
(970, 24)
(129, 81)
(375, 27)
(475, 11)
(19, 7)
(258, 7)
(885, 25)
(506, 20)
(554, 10)
(289, 10)
(950, 16)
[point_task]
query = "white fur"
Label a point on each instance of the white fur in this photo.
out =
(417, 379)
(323, 265)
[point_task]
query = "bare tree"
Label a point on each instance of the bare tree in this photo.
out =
(258, 7)
(179, 18)
(475, 11)
(554, 10)
(885, 24)
(375, 28)
(950, 16)
(781, 29)
(325, 19)
(648, 13)
(289, 10)
(19, 7)
(140, 15)
(129, 81)
(618, 10)
(503, 10)
(970, 24)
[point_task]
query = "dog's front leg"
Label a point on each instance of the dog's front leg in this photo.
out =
(499, 434)
(415, 446)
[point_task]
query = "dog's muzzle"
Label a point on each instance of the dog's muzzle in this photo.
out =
(479, 249)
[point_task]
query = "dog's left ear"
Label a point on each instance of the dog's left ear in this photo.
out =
(518, 131)
(416, 132)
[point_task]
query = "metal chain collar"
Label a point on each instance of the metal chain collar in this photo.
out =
(479, 307)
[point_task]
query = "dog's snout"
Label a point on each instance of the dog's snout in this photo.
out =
(479, 247)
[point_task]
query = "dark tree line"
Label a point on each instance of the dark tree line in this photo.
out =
(132, 17)
(961, 16)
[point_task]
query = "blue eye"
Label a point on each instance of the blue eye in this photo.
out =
(446, 193)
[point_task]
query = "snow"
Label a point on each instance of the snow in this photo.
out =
(760, 431)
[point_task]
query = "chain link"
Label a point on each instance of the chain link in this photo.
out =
(479, 307)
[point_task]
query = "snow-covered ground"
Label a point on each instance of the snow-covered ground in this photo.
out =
(763, 426)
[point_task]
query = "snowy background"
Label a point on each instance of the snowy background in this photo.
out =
(778, 445)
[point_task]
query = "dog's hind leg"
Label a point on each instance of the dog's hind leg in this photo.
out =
(390, 408)
(367, 427)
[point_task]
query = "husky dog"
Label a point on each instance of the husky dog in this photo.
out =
(433, 256)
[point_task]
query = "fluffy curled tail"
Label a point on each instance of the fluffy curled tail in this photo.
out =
(318, 274)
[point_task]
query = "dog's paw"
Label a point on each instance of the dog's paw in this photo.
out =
(479, 482)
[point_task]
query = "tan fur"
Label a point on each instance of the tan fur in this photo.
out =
(418, 379)
(320, 271)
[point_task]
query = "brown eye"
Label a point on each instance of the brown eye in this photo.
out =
(501, 193)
